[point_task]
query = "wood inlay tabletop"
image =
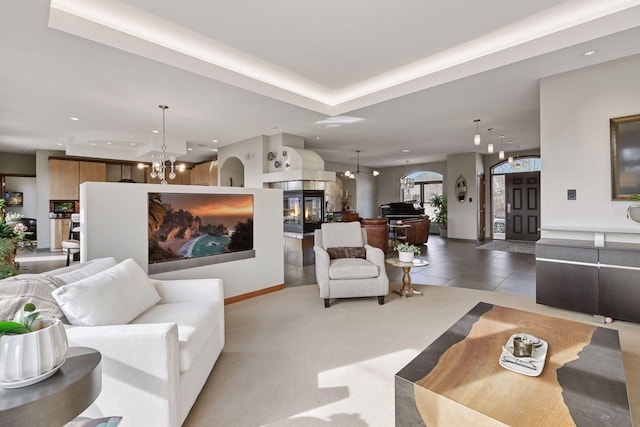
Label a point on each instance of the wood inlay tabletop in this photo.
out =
(458, 380)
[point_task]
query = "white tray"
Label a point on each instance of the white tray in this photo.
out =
(531, 366)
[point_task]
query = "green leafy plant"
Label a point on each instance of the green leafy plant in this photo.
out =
(439, 202)
(407, 247)
(22, 322)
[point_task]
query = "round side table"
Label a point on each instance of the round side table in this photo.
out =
(406, 291)
(58, 399)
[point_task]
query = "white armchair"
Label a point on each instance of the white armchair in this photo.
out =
(346, 266)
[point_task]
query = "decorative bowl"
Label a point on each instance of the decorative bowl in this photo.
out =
(34, 354)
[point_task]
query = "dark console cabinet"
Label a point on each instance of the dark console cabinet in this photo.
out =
(619, 285)
(567, 277)
(577, 276)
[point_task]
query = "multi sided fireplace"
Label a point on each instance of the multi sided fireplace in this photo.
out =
(303, 210)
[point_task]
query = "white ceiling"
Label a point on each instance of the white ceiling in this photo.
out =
(370, 75)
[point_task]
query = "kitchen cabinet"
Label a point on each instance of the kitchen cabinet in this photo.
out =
(205, 173)
(59, 232)
(65, 177)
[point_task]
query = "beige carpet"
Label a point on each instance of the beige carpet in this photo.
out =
(288, 361)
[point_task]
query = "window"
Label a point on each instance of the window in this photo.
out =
(426, 185)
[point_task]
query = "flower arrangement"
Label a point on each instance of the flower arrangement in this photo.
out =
(407, 247)
(12, 238)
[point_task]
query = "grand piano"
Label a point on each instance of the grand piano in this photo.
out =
(401, 210)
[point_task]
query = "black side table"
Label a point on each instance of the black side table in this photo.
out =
(58, 399)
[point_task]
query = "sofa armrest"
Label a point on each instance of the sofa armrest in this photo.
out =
(185, 290)
(322, 270)
(140, 371)
(375, 255)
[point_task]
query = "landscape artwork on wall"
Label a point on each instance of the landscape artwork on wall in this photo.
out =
(189, 230)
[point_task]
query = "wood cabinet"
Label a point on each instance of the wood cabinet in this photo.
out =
(59, 232)
(205, 173)
(65, 177)
(577, 276)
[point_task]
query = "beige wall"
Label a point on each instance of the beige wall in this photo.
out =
(575, 109)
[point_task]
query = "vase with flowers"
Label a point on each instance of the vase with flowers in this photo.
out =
(12, 238)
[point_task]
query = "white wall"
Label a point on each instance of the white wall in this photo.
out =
(252, 153)
(114, 223)
(575, 109)
(463, 217)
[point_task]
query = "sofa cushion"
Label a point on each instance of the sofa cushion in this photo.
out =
(111, 297)
(352, 268)
(347, 252)
(76, 272)
(196, 321)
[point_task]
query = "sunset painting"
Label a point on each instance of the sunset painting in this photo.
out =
(183, 226)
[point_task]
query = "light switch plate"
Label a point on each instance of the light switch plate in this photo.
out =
(571, 194)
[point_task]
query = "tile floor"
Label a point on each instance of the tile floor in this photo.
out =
(452, 263)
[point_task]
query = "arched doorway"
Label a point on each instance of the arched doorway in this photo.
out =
(515, 199)
(232, 173)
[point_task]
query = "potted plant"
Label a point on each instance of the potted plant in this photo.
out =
(31, 348)
(406, 251)
(439, 202)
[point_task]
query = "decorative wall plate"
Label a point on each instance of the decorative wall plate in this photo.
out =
(277, 164)
(284, 154)
(271, 155)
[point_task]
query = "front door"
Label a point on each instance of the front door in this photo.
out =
(523, 206)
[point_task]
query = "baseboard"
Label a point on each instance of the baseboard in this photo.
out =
(248, 295)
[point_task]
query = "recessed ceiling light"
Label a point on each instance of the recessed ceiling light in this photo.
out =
(405, 150)
(590, 52)
(214, 140)
(109, 142)
(93, 144)
(133, 143)
(189, 149)
(155, 131)
(60, 143)
(317, 137)
(75, 119)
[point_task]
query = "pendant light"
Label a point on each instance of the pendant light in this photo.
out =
(510, 154)
(490, 146)
(158, 163)
(501, 153)
(407, 183)
(352, 175)
(476, 137)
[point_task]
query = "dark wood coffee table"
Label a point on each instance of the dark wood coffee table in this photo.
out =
(458, 380)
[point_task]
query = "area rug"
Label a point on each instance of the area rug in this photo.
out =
(510, 246)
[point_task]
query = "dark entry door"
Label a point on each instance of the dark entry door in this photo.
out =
(523, 206)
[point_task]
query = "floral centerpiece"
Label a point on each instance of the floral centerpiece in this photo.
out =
(12, 238)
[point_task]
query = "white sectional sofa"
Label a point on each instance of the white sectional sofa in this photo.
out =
(154, 365)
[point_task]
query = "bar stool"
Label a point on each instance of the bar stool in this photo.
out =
(72, 246)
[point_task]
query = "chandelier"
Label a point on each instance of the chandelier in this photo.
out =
(159, 163)
(352, 175)
(407, 183)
